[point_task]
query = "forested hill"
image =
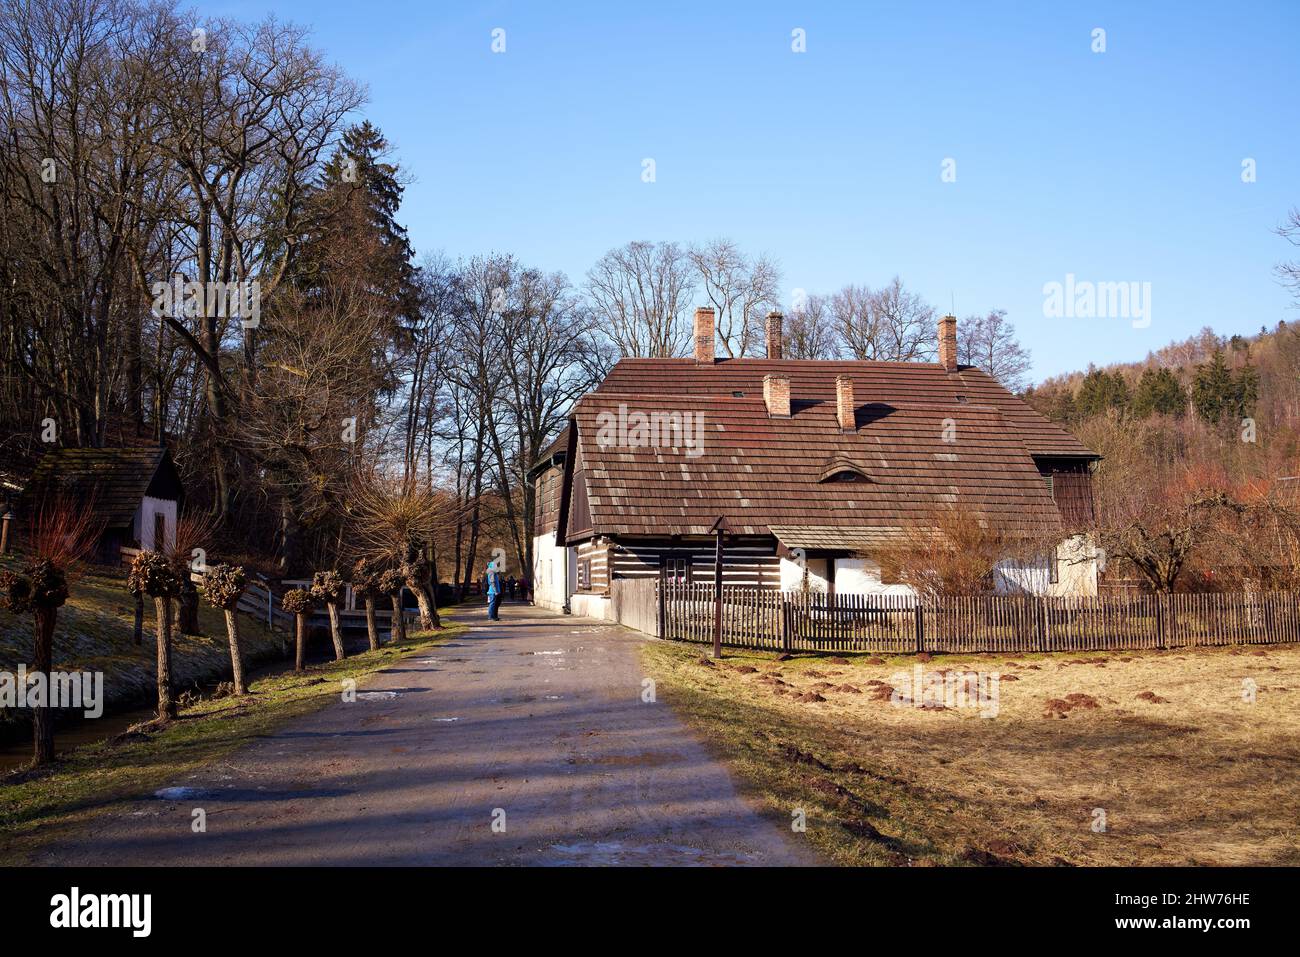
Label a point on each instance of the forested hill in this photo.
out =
(1207, 379)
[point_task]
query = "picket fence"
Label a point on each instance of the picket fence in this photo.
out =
(893, 624)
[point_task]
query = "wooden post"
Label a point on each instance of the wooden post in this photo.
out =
(717, 529)
(919, 613)
(4, 532)
(1161, 622)
(661, 587)
(1040, 621)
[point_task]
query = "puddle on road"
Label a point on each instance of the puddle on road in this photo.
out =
(609, 853)
(646, 759)
(446, 719)
(375, 695)
(182, 794)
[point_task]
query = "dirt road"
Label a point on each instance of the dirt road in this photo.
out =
(535, 724)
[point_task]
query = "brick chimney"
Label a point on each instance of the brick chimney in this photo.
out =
(776, 395)
(844, 404)
(704, 334)
(948, 343)
(774, 335)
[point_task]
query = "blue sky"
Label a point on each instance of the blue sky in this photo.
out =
(1117, 166)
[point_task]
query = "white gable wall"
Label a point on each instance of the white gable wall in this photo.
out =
(555, 572)
(143, 525)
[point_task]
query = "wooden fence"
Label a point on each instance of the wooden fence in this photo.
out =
(894, 624)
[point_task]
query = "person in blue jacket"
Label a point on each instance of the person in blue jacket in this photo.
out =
(493, 591)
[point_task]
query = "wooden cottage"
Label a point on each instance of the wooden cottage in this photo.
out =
(814, 468)
(137, 492)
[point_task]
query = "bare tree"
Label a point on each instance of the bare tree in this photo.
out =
(154, 575)
(956, 549)
(742, 291)
(61, 534)
(809, 330)
(889, 324)
(329, 588)
(641, 292)
(395, 522)
(989, 343)
(1289, 271)
(298, 602)
(222, 586)
(248, 113)
(314, 405)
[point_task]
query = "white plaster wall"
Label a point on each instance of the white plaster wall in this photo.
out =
(792, 575)
(144, 522)
(861, 576)
(1076, 564)
(591, 606)
(554, 572)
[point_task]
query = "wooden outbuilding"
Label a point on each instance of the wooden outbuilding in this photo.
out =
(137, 492)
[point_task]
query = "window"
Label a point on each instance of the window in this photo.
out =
(159, 531)
(1053, 568)
(584, 573)
(846, 476)
(737, 395)
(676, 571)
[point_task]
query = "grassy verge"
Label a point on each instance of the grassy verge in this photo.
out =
(1162, 748)
(38, 806)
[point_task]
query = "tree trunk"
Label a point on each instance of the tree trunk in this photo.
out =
(372, 629)
(426, 607)
(137, 635)
(431, 587)
(187, 608)
(300, 655)
(236, 658)
(336, 633)
(166, 701)
(399, 620)
(42, 717)
(290, 540)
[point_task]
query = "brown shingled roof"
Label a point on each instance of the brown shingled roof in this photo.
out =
(762, 473)
(814, 380)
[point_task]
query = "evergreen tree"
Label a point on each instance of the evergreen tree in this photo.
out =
(1245, 391)
(1100, 392)
(1159, 393)
(1214, 389)
(357, 240)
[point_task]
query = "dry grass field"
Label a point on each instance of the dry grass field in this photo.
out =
(1163, 748)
